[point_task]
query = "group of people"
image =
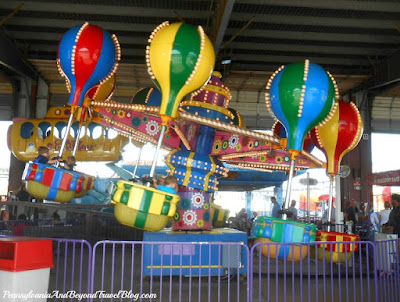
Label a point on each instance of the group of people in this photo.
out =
(389, 219)
(167, 184)
(43, 158)
(276, 208)
(242, 222)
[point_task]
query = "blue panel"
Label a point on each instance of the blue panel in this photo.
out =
(205, 139)
(199, 257)
(154, 98)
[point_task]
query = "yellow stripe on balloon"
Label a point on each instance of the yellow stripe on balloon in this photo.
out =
(160, 56)
(189, 165)
(328, 135)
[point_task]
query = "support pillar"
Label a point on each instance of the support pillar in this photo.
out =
(360, 159)
(23, 95)
(278, 191)
(42, 99)
(248, 204)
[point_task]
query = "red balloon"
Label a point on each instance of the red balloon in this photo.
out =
(340, 134)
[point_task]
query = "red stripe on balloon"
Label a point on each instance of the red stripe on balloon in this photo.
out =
(307, 141)
(87, 54)
(347, 130)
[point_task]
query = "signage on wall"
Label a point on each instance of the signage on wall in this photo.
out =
(357, 184)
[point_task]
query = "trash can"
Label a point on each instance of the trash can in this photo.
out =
(25, 268)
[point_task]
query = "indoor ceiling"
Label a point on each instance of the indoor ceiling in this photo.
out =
(350, 39)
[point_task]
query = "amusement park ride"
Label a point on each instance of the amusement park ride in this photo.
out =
(202, 133)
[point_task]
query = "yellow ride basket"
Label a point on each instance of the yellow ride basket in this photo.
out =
(143, 207)
(336, 253)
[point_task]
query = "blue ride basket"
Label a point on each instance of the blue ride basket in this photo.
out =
(275, 230)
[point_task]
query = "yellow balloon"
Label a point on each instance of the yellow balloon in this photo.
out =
(180, 60)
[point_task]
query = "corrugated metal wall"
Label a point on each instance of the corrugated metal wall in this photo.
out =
(386, 115)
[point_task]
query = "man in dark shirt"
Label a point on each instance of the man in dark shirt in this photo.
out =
(351, 212)
(394, 217)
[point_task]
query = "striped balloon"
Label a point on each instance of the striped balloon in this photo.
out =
(180, 60)
(340, 134)
(300, 95)
(87, 56)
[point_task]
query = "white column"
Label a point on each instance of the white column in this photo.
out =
(338, 202)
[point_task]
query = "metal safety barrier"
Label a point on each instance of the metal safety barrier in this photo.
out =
(226, 271)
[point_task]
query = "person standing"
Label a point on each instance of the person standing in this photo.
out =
(293, 209)
(324, 219)
(374, 220)
(393, 225)
(22, 194)
(384, 214)
(351, 212)
(275, 208)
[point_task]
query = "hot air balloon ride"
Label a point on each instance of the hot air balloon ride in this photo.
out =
(300, 96)
(337, 137)
(87, 56)
(180, 59)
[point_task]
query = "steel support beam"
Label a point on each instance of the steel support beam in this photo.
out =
(387, 75)
(221, 17)
(11, 57)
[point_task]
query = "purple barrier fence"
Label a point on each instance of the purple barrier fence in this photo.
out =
(173, 271)
(70, 276)
(226, 271)
(300, 272)
(388, 271)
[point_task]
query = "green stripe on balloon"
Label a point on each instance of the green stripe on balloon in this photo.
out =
(143, 211)
(290, 93)
(291, 80)
(185, 51)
